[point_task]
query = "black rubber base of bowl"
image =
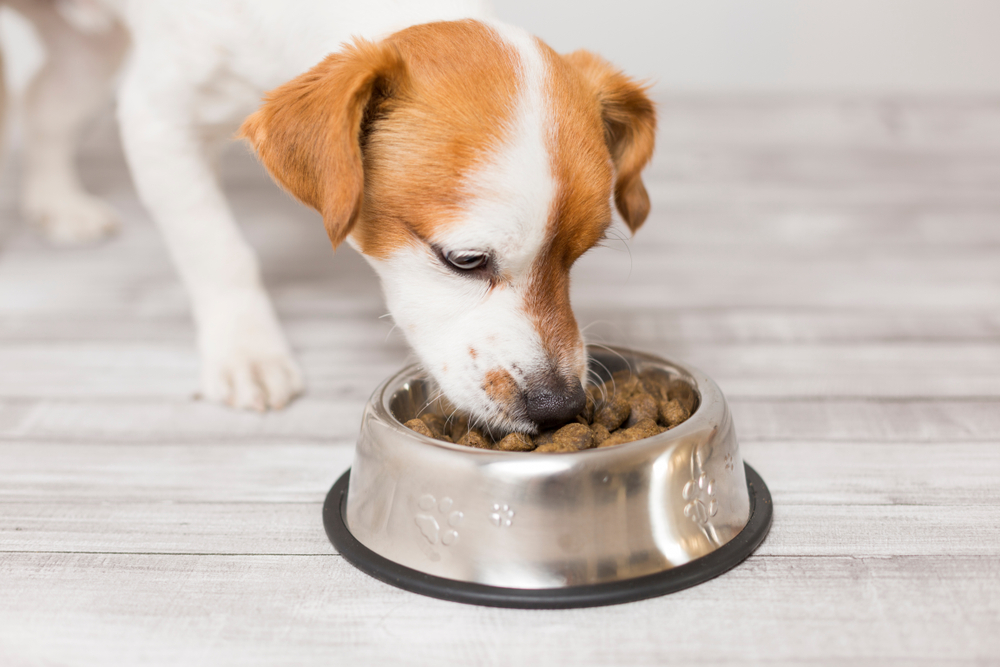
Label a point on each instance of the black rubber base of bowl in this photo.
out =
(684, 576)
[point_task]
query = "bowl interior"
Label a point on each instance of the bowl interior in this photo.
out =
(419, 394)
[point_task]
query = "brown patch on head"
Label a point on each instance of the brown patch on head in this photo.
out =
(547, 303)
(581, 162)
(501, 388)
(473, 353)
(378, 136)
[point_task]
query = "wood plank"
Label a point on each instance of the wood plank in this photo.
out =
(786, 324)
(296, 610)
(312, 320)
(640, 279)
(308, 419)
(319, 419)
(878, 473)
(835, 224)
(825, 245)
(112, 277)
(271, 528)
(281, 471)
(797, 280)
(969, 124)
(888, 370)
(163, 370)
(216, 527)
(770, 173)
(854, 420)
(286, 470)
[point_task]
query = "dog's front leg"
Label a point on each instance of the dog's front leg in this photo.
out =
(246, 361)
(70, 86)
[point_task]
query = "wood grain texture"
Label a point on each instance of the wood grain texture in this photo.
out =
(335, 419)
(294, 529)
(833, 263)
(258, 610)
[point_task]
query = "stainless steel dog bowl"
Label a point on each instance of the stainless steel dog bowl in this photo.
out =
(598, 526)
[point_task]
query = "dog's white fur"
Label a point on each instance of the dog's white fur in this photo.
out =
(197, 69)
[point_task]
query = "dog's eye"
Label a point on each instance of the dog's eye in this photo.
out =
(463, 260)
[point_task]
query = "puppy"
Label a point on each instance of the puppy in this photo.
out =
(468, 162)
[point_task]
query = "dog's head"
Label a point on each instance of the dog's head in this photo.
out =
(472, 165)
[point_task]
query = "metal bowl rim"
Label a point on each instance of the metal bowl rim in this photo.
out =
(704, 385)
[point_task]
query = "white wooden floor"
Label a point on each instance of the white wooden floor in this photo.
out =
(833, 264)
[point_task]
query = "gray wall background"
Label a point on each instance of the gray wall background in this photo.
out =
(845, 46)
(852, 46)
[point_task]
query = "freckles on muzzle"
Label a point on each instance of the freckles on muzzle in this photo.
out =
(502, 389)
(549, 400)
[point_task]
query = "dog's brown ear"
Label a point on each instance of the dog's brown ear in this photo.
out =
(308, 131)
(629, 130)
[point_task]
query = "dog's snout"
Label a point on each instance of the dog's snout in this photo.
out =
(553, 401)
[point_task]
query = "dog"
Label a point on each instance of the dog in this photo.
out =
(469, 163)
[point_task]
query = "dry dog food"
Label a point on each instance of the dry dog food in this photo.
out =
(624, 409)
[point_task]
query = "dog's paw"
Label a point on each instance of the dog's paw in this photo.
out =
(74, 219)
(246, 362)
(252, 382)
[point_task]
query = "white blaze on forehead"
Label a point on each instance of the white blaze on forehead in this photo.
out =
(510, 196)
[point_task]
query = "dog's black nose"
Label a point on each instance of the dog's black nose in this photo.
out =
(553, 400)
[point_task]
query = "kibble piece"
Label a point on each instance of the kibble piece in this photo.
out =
(623, 384)
(681, 391)
(555, 447)
(601, 434)
(420, 427)
(641, 406)
(543, 438)
(435, 423)
(613, 412)
(577, 436)
(644, 429)
(475, 438)
(593, 393)
(516, 442)
(672, 413)
(655, 384)
(459, 427)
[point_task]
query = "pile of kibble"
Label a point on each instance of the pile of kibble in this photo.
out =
(624, 409)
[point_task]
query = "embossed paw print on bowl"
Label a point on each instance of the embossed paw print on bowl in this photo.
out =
(700, 494)
(502, 515)
(427, 519)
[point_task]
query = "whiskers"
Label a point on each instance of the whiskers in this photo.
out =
(391, 329)
(614, 234)
(432, 399)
